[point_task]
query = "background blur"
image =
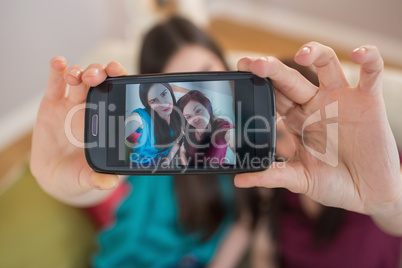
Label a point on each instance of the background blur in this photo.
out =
(34, 31)
(102, 30)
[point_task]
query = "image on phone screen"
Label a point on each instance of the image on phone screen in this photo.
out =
(180, 123)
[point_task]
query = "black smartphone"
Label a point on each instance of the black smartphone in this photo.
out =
(205, 122)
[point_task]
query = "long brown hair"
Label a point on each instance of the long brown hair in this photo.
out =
(195, 95)
(161, 127)
(199, 197)
(168, 37)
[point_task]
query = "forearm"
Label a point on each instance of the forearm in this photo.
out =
(230, 141)
(173, 151)
(391, 220)
(390, 223)
(234, 246)
(183, 158)
(263, 248)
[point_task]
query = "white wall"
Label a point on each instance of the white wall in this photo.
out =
(381, 16)
(31, 32)
(34, 31)
(341, 24)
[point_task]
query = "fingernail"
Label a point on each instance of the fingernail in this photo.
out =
(92, 72)
(303, 50)
(361, 50)
(58, 63)
(110, 184)
(76, 73)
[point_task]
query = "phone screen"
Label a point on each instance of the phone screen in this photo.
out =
(182, 123)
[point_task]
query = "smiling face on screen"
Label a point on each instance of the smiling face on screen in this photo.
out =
(196, 115)
(160, 100)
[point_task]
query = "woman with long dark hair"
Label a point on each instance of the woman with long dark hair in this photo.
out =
(181, 222)
(153, 130)
(207, 137)
(186, 220)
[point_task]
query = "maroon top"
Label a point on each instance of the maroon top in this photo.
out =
(216, 152)
(359, 243)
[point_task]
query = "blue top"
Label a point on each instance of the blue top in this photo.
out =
(145, 151)
(146, 232)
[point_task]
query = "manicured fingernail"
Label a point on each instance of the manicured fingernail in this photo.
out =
(361, 50)
(303, 50)
(92, 72)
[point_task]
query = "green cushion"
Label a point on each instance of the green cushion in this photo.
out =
(38, 231)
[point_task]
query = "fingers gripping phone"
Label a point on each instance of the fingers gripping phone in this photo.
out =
(209, 122)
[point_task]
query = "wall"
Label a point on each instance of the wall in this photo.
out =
(342, 24)
(34, 31)
(381, 16)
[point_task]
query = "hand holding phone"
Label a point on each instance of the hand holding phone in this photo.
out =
(362, 172)
(59, 166)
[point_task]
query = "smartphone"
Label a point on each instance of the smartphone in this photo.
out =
(204, 122)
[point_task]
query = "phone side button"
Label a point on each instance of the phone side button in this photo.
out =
(95, 123)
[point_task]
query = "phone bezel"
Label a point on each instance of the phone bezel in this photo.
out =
(96, 155)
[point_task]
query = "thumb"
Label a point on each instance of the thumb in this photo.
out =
(279, 175)
(74, 176)
(100, 181)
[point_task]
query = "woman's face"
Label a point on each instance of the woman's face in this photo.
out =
(193, 58)
(160, 100)
(196, 115)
